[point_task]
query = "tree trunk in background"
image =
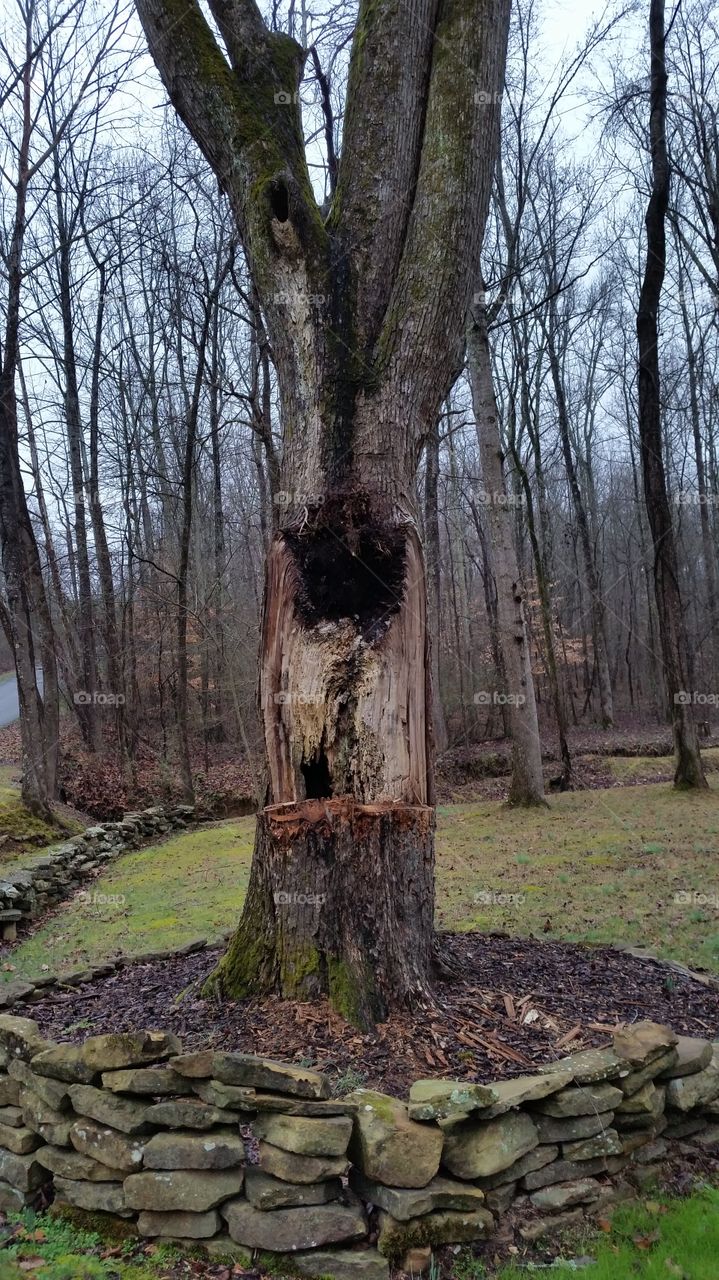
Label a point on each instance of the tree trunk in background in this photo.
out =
(431, 535)
(527, 785)
(24, 586)
(364, 312)
(689, 769)
(596, 606)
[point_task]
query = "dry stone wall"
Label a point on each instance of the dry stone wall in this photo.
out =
(26, 892)
(237, 1154)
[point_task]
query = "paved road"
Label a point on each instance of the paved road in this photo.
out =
(9, 705)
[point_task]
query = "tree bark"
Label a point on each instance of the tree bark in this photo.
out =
(363, 309)
(527, 784)
(689, 771)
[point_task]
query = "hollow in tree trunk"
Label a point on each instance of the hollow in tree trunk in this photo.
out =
(363, 305)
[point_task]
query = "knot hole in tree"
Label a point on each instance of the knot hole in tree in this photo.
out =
(351, 565)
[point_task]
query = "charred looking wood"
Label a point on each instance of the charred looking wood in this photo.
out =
(350, 564)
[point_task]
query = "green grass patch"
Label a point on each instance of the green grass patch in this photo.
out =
(47, 1247)
(159, 897)
(635, 865)
(654, 1240)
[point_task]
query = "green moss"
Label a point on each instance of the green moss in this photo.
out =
(23, 834)
(345, 991)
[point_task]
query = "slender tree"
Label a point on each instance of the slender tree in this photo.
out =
(689, 771)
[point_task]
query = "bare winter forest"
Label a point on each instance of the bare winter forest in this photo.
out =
(396, 329)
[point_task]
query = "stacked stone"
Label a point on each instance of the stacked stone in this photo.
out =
(396, 1152)
(237, 1153)
(548, 1142)
(28, 891)
(295, 1196)
(22, 1175)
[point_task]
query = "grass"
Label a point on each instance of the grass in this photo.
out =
(654, 1240)
(148, 900)
(47, 1247)
(598, 866)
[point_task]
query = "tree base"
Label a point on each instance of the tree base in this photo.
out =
(340, 904)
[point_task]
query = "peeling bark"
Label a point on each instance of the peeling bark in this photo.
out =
(364, 314)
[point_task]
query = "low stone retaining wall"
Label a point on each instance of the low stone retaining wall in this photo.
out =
(235, 1153)
(28, 891)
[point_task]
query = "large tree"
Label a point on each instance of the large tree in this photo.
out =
(364, 303)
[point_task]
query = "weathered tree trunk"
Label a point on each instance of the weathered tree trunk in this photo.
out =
(431, 534)
(527, 785)
(363, 308)
(689, 770)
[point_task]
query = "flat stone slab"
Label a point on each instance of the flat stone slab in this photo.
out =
(107, 1108)
(293, 1168)
(78, 1168)
(446, 1226)
(581, 1100)
(109, 1146)
(262, 1073)
(692, 1055)
(476, 1149)
(564, 1194)
(190, 1114)
(572, 1128)
(536, 1159)
(23, 1171)
(287, 1230)
(105, 1196)
(303, 1135)
(221, 1149)
(440, 1193)
(185, 1226)
(603, 1144)
(443, 1099)
(514, 1093)
(63, 1062)
(697, 1090)
(186, 1191)
(117, 1050)
(388, 1146)
(228, 1097)
(591, 1066)
(151, 1080)
(342, 1264)
(265, 1192)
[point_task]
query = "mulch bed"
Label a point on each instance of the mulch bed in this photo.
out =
(515, 1005)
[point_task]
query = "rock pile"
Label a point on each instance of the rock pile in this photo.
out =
(238, 1154)
(29, 891)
